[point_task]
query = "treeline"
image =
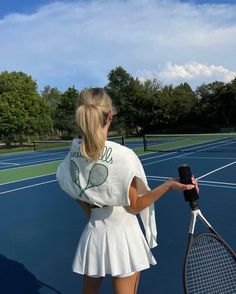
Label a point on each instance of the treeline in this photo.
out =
(144, 107)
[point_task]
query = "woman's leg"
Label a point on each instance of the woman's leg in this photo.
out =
(126, 285)
(91, 285)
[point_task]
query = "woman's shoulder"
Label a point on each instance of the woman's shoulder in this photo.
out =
(121, 150)
(76, 141)
(75, 144)
(118, 146)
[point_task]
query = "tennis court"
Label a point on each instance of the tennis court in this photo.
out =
(40, 225)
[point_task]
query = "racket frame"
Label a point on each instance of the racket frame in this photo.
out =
(197, 214)
(74, 166)
(192, 197)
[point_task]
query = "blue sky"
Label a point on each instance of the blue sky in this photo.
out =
(30, 6)
(74, 42)
(25, 6)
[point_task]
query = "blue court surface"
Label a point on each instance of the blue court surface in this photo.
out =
(40, 225)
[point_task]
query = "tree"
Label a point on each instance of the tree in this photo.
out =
(23, 113)
(126, 93)
(181, 107)
(232, 89)
(227, 102)
(65, 113)
(150, 112)
(217, 102)
(52, 96)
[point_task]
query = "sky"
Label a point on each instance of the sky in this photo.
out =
(78, 42)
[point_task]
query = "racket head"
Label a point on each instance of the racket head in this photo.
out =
(210, 266)
(97, 175)
(74, 171)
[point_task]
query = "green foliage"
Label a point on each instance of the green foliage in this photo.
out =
(52, 97)
(149, 107)
(217, 104)
(179, 106)
(23, 112)
(128, 95)
(144, 107)
(65, 112)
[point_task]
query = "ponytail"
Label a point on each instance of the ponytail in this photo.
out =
(91, 117)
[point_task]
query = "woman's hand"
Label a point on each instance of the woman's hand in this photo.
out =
(137, 203)
(174, 184)
(194, 181)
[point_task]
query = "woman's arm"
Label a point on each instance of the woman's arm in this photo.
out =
(85, 206)
(137, 204)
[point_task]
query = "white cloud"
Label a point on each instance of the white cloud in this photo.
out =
(80, 42)
(195, 70)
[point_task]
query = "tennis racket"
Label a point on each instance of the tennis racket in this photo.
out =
(74, 171)
(209, 263)
(97, 176)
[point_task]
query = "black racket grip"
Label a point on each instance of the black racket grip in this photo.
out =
(185, 175)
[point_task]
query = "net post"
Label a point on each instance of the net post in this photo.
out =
(34, 143)
(123, 140)
(144, 143)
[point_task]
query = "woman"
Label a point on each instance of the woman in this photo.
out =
(109, 183)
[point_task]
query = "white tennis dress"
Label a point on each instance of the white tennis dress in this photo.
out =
(112, 241)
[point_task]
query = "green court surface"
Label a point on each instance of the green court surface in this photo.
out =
(28, 172)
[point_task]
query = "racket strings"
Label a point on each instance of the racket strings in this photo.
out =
(210, 267)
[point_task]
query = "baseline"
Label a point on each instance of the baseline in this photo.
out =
(27, 187)
(27, 183)
(216, 184)
(215, 170)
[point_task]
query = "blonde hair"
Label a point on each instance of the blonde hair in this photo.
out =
(91, 116)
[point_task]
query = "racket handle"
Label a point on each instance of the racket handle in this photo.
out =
(185, 175)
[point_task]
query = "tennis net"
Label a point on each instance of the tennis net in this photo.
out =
(64, 145)
(52, 146)
(117, 139)
(214, 142)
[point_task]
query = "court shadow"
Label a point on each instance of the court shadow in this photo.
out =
(16, 279)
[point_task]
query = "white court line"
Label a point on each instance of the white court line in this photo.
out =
(35, 165)
(26, 187)
(214, 144)
(157, 177)
(25, 179)
(214, 158)
(39, 155)
(171, 157)
(157, 156)
(215, 170)
(219, 183)
(8, 163)
(42, 161)
(200, 181)
(165, 159)
(186, 154)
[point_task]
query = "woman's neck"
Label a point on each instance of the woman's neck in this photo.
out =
(106, 129)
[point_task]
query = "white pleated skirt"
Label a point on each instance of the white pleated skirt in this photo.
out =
(112, 243)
